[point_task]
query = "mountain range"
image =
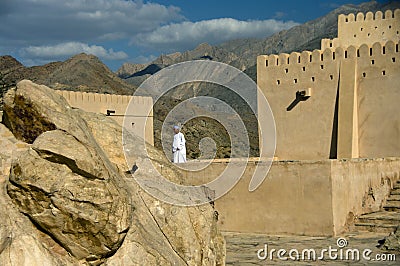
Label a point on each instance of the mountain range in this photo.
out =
(242, 53)
(87, 73)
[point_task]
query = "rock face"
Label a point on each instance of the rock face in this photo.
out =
(65, 184)
(72, 184)
(20, 242)
(162, 233)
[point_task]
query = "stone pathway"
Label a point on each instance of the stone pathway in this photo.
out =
(242, 248)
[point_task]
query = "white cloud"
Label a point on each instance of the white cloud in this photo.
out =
(68, 49)
(49, 30)
(37, 22)
(187, 34)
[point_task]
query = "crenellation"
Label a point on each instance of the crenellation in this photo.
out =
(364, 51)
(350, 17)
(316, 55)
(369, 16)
(306, 57)
(103, 98)
(287, 64)
(340, 53)
(378, 15)
(114, 98)
(376, 49)
(283, 59)
(272, 60)
(368, 28)
(396, 14)
(360, 16)
(97, 97)
(293, 58)
(389, 14)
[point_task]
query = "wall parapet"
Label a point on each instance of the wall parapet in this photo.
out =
(369, 16)
(90, 97)
(331, 54)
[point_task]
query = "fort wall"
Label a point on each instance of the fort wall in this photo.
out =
(138, 117)
(366, 28)
(301, 133)
(349, 94)
(316, 198)
(378, 86)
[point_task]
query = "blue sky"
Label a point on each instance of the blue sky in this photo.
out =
(118, 31)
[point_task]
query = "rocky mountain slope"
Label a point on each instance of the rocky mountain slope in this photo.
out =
(81, 72)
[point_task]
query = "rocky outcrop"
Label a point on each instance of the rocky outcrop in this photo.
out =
(20, 242)
(74, 186)
(392, 242)
(65, 183)
(179, 234)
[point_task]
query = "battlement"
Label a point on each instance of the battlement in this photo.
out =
(296, 58)
(329, 55)
(366, 28)
(89, 98)
(369, 16)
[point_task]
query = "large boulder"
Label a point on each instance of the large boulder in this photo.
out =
(65, 183)
(75, 187)
(20, 243)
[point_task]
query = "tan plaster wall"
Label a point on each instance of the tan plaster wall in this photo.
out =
(295, 198)
(305, 132)
(378, 80)
(360, 186)
(365, 29)
(369, 90)
(316, 198)
(140, 116)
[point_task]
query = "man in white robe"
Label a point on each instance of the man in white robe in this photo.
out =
(178, 146)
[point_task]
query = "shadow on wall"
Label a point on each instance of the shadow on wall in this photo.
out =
(300, 96)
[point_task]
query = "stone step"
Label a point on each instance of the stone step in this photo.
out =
(392, 206)
(371, 227)
(394, 197)
(380, 222)
(379, 218)
(395, 192)
(396, 185)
